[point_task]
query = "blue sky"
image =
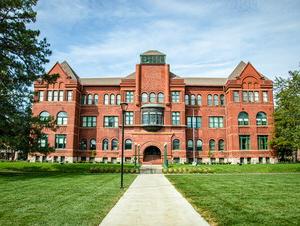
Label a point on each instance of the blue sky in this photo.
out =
(200, 38)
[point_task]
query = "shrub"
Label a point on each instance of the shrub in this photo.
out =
(170, 170)
(164, 170)
(175, 170)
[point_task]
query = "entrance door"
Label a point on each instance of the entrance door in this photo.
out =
(152, 155)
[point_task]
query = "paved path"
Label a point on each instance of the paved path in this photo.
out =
(152, 200)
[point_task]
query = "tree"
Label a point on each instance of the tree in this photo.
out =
(22, 59)
(286, 138)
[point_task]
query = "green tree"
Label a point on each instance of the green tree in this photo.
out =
(22, 59)
(286, 138)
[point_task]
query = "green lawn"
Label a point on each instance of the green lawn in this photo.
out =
(58, 198)
(248, 199)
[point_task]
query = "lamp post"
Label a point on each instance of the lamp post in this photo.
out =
(124, 106)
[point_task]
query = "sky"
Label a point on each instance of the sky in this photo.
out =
(204, 38)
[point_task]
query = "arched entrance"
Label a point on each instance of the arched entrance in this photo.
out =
(152, 155)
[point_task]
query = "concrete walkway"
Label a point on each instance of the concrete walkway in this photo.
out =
(152, 200)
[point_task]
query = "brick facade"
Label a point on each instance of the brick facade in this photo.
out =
(253, 89)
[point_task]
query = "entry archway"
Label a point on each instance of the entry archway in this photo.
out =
(152, 155)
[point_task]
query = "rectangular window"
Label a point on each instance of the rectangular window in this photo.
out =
(55, 95)
(43, 142)
(175, 118)
(216, 122)
(41, 96)
(250, 97)
(83, 99)
(49, 95)
(111, 121)
(245, 96)
(88, 121)
(194, 122)
(61, 95)
(262, 141)
(244, 142)
(265, 96)
(129, 97)
(60, 141)
(69, 95)
(175, 96)
(236, 96)
(256, 96)
(128, 118)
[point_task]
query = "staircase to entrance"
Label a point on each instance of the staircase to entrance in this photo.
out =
(150, 169)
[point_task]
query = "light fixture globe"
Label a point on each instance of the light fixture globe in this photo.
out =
(124, 106)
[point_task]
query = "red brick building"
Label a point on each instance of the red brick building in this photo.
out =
(209, 119)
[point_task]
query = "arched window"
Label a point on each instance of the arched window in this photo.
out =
(83, 99)
(152, 98)
(44, 116)
(92, 144)
(128, 144)
(222, 100)
(209, 100)
(261, 119)
(62, 118)
(176, 144)
(105, 145)
(112, 99)
(212, 145)
(118, 99)
(199, 100)
(216, 100)
(144, 97)
(83, 144)
(106, 99)
(190, 145)
(114, 144)
(96, 99)
(199, 145)
(221, 145)
(243, 119)
(161, 98)
(193, 100)
(187, 99)
(90, 99)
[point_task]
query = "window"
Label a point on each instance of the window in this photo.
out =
(105, 145)
(245, 96)
(262, 141)
(128, 118)
(265, 96)
(128, 144)
(55, 95)
(209, 100)
(144, 97)
(118, 99)
(175, 118)
(114, 144)
(256, 96)
(250, 96)
(61, 95)
(92, 144)
(90, 99)
(43, 141)
(111, 121)
(199, 100)
(261, 119)
(160, 98)
(244, 142)
(60, 141)
(216, 100)
(41, 96)
(216, 122)
(193, 100)
(236, 96)
(112, 99)
(88, 121)
(152, 118)
(222, 100)
(49, 95)
(106, 99)
(221, 145)
(175, 96)
(96, 99)
(83, 99)
(243, 119)
(44, 116)
(194, 122)
(187, 99)
(69, 95)
(212, 145)
(190, 146)
(83, 144)
(152, 98)
(176, 144)
(199, 145)
(129, 97)
(62, 118)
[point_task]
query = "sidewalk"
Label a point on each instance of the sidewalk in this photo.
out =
(152, 200)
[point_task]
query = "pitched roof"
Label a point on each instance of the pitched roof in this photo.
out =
(237, 71)
(69, 71)
(153, 52)
(205, 81)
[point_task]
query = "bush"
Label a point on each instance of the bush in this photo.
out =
(170, 170)
(164, 170)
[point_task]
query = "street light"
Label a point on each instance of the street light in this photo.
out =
(124, 106)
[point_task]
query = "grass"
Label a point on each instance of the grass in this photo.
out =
(45, 198)
(248, 199)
